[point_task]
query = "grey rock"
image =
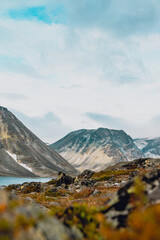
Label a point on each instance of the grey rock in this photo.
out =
(64, 179)
(44, 227)
(86, 174)
(52, 229)
(87, 183)
(36, 205)
(95, 192)
(17, 141)
(120, 205)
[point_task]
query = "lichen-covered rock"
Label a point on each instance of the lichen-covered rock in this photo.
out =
(12, 187)
(142, 163)
(86, 174)
(83, 217)
(133, 174)
(31, 187)
(64, 179)
(36, 205)
(141, 190)
(26, 221)
(87, 183)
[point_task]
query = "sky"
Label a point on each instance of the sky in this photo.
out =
(67, 65)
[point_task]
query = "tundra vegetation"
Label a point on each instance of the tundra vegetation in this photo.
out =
(121, 202)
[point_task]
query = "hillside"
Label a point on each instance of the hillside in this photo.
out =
(27, 154)
(96, 149)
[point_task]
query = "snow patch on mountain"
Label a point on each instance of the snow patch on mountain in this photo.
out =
(14, 156)
(141, 143)
(149, 146)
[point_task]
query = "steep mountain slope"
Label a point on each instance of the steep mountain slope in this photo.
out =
(8, 166)
(27, 152)
(149, 146)
(96, 149)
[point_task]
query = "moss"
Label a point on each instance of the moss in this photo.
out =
(10, 187)
(108, 174)
(52, 182)
(4, 238)
(138, 189)
(4, 225)
(103, 178)
(84, 219)
(31, 188)
(24, 222)
(55, 193)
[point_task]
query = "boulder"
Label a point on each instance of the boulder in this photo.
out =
(86, 174)
(133, 174)
(87, 183)
(144, 190)
(20, 221)
(64, 179)
(31, 187)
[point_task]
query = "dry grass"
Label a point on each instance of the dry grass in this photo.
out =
(83, 194)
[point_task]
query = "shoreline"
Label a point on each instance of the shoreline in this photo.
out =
(5, 181)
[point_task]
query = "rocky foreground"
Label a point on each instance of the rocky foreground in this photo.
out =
(121, 202)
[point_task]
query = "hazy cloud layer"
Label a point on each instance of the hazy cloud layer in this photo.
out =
(13, 96)
(107, 120)
(122, 17)
(150, 128)
(72, 57)
(47, 126)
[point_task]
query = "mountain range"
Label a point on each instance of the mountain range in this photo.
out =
(96, 149)
(23, 154)
(150, 147)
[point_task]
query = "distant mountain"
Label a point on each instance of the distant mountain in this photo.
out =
(96, 149)
(24, 154)
(149, 146)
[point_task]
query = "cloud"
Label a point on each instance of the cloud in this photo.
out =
(92, 57)
(120, 17)
(102, 73)
(107, 120)
(74, 86)
(50, 51)
(13, 96)
(48, 127)
(150, 128)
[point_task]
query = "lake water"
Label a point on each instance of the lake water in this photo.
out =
(13, 180)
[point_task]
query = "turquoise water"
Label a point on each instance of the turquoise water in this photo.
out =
(13, 180)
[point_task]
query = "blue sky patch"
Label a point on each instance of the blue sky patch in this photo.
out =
(56, 15)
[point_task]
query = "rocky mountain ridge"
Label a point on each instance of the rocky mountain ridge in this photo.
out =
(23, 154)
(150, 147)
(96, 149)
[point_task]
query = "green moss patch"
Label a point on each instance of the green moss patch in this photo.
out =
(108, 174)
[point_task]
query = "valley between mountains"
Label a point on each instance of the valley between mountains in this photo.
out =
(24, 154)
(104, 185)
